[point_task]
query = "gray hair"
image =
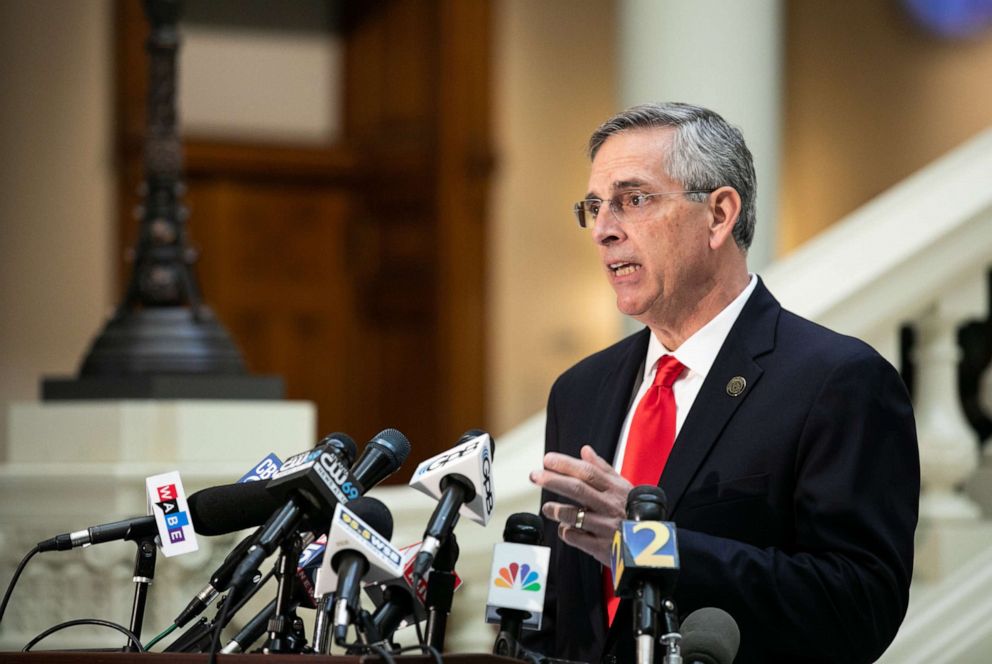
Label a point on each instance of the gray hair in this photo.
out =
(707, 152)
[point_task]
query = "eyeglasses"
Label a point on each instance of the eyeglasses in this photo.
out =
(628, 206)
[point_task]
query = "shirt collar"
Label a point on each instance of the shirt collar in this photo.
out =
(699, 351)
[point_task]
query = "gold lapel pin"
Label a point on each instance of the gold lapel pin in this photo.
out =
(736, 386)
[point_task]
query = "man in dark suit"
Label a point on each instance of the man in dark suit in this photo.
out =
(791, 465)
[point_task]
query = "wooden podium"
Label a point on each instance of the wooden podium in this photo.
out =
(57, 657)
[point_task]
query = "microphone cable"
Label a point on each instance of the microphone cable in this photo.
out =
(85, 621)
(168, 630)
(13, 580)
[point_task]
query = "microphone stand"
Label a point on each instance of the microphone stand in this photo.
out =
(508, 640)
(440, 591)
(285, 627)
(322, 624)
(144, 574)
(671, 639)
(197, 638)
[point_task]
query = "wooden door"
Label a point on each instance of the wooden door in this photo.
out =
(354, 270)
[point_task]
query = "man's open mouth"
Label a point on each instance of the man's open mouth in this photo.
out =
(623, 268)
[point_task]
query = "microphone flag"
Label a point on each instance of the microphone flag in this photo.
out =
(349, 532)
(167, 503)
(642, 549)
(472, 460)
(518, 580)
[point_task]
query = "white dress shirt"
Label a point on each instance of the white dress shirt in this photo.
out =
(697, 354)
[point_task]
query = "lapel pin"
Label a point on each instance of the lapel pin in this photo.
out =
(736, 386)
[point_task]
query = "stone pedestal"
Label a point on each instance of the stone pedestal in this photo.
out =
(71, 465)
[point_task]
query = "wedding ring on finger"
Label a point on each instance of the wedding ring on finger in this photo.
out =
(580, 516)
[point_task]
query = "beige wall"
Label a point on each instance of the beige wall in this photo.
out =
(549, 303)
(870, 98)
(56, 188)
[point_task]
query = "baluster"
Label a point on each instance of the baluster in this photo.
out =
(948, 444)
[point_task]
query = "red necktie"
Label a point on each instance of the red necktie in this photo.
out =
(649, 442)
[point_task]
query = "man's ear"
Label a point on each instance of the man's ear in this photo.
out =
(725, 209)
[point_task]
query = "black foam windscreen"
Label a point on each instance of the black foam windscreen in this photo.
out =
(373, 512)
(710, 636)
(343, 444)
(228, 508)
(524, 528)
(647, 503)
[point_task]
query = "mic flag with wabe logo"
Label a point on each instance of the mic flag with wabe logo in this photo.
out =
(167, 502)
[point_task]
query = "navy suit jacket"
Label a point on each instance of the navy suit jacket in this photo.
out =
(796, 501)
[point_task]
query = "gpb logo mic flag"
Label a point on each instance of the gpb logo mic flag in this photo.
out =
(518, 580)
(167, 502)
(471, 459)
(649, 546)
(348, 531)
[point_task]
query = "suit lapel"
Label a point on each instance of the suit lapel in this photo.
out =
(615, 394)
(608, 414)
(753, 334)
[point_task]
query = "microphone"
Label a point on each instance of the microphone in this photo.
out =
(430, 597)
(519, 581)
(310, 482)
(216, 510)
(382, 456)
(220, 580)
(357, 547)
(710, 636)
(397, 608)
(461, 481)
(645, 566)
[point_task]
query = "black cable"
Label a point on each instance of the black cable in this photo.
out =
(428, 649)
(13, 580)
(416, 625)
(85, 621)
(382, 653)
(221, 621)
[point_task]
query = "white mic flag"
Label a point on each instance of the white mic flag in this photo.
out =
(349, 532)
(518, 580)
(472, 460)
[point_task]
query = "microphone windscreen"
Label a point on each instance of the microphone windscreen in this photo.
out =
(524, 528)
(374, 513)
(646, 502)
(475, 433)
(228, 508)
(382, 456)
(710, 636)
(394, 443)
(343, 444)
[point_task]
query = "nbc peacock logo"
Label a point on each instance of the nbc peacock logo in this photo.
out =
(519, 577)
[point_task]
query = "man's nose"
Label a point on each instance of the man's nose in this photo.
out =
(606, 229)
